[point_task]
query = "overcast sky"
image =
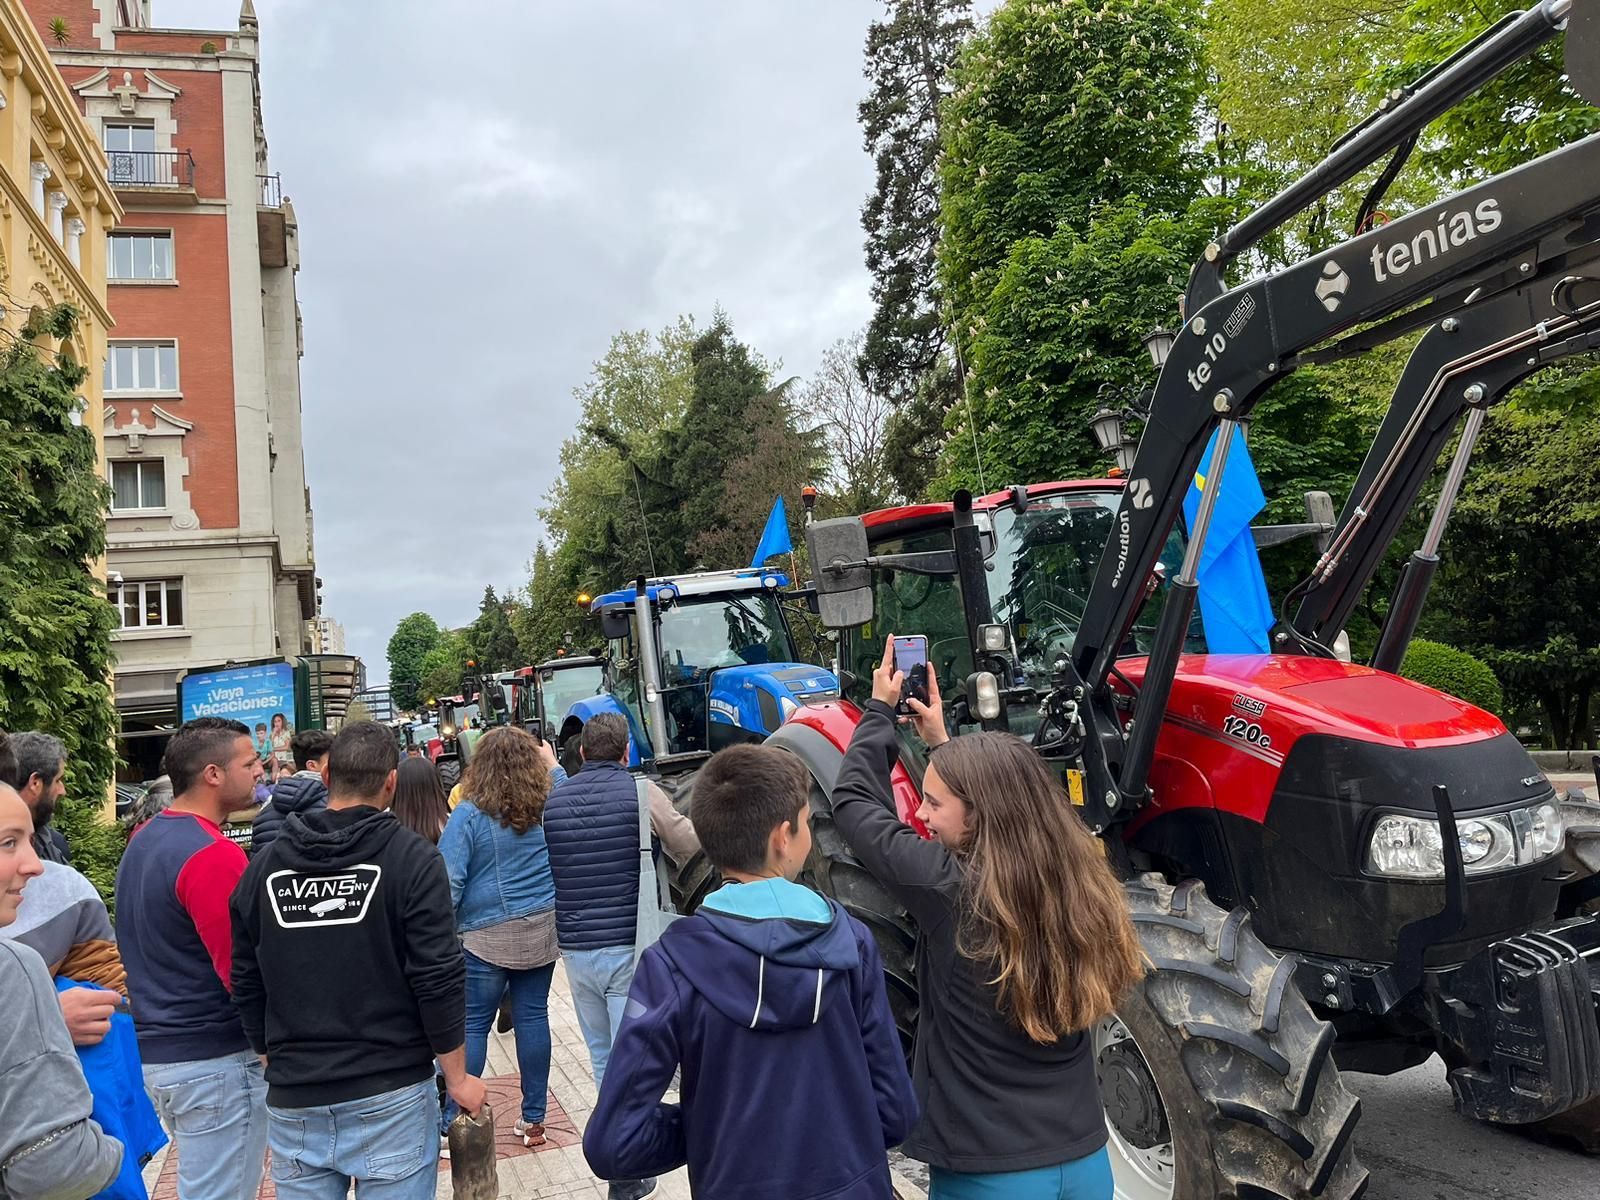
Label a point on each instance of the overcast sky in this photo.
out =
(488, 191)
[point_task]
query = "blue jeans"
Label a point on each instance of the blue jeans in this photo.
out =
(216, 1111)
(1086, 1178)
(530, 1016)
(600, 980)
(387, 1145)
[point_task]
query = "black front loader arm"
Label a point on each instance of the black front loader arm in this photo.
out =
(1239, 343)
(1404, 114)
(1470, 360)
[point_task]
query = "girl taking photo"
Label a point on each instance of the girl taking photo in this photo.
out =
(1026, 943)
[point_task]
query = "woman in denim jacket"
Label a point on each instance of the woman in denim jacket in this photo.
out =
(504, 897)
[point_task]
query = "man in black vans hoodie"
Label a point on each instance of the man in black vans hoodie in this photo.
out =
(771, 1000)
(350, 982)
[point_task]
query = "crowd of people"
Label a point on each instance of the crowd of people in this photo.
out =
(330, 996)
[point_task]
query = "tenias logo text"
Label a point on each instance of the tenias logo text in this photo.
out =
(1452, 230)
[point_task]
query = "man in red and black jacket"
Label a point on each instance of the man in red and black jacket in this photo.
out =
(174, 932)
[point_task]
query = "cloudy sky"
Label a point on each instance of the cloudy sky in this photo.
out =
(487, 191)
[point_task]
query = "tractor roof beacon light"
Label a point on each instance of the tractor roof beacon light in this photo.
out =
(1158, 342)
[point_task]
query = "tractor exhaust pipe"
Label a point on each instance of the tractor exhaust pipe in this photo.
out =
(650, 667)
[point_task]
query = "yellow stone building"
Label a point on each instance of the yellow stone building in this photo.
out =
(55, 208)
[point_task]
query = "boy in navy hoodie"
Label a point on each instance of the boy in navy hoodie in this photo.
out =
(770, 1000)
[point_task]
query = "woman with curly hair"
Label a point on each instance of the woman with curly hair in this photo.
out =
(505, 901)
(1026, 944)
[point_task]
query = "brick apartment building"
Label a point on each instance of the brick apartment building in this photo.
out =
(210, 539)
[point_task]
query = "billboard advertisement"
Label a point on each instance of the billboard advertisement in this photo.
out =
(262, 696)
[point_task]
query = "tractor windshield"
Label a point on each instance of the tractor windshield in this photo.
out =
(699, 635)
(1039, 580)
(1043, 568)
(561, 689)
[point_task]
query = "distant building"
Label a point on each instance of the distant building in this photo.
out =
(210, 536)
(327, 636)
(379, 703)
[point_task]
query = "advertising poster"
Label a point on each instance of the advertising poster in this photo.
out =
(261, 696)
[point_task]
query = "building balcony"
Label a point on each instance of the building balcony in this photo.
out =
(142, 177)
(272, 233)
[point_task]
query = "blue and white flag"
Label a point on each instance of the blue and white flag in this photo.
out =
(775, 537)
(1233, 591)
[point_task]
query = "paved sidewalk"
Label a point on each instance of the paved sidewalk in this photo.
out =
(556, 1170)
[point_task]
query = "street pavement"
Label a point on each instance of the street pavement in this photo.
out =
(1418, 1148)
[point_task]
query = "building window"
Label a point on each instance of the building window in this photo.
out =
(136, 138)
(141, 255)
(138, 485)
(142, 367)
(148, 603)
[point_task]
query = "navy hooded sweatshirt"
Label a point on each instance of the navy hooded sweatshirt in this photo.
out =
(794, 1085)
(298, 793)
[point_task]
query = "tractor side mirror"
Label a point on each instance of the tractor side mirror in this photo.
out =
(1583, 50)
(838, 551)
(614, 623)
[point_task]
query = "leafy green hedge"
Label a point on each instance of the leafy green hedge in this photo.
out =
(55, 624)
(1455, 672)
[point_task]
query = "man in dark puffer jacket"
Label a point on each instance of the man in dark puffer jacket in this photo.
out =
(301, 792)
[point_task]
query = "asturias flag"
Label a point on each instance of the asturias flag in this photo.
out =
(775, 537)
(1233, 591)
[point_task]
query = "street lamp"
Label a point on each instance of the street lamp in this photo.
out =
(1158, 342)
(1107, 426)
(1110, 434)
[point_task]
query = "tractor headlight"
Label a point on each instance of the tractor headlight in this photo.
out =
(1408, 847)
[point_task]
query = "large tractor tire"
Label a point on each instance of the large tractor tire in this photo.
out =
(1217, 1078)
(696, 879)
(835, 872)
(449, 772)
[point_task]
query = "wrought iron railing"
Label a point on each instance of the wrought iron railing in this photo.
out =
(271, 191)
(150, 168)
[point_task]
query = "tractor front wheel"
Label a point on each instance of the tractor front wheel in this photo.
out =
(1217, 1078)
(449, 772)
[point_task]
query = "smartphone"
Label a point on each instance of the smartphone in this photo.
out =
(911, 660)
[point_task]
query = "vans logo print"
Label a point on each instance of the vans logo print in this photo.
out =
(301, 899)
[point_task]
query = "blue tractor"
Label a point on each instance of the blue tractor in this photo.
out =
(697, 662)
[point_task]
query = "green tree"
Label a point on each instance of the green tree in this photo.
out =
(547, 610)
(411, 641)
(493, 641)
(635, 393)
(55, 624)
(358, 711)
(908, 59)
(443, 667)
(1517, 583)
(1069, 221)
(739, 446)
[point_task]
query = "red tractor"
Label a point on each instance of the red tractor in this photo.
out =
(1329, 866)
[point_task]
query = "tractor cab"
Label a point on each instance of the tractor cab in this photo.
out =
(1011, 616)
(701, 661)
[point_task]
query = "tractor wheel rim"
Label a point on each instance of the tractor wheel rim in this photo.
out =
(1140, 1173)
